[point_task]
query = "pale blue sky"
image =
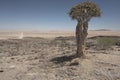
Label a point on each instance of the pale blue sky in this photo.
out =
(52, 15)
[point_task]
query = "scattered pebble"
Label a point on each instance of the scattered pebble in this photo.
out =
(12, 66)
(74, 64)
(1, 70)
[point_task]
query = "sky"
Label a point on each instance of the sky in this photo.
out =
(50, 15)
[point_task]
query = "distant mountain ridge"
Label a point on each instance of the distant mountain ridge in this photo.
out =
(102, 30)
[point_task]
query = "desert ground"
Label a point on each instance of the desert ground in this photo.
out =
(53, 34)
(50, 56)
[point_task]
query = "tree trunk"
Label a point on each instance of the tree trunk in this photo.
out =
(79, 39)
(85, 33)
(81, 34)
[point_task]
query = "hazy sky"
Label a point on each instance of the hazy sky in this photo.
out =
(52, 15)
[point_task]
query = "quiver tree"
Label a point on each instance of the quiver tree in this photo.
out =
(83, 12)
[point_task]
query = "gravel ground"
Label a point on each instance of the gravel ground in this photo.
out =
(53, 59)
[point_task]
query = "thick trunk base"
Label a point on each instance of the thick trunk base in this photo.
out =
(81, 52)
(81, 34)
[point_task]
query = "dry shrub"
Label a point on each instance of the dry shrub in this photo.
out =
(106, 42)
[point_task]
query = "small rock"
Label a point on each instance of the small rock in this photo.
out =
(36, 57)
(74, 64)
(1, 70)
(110, 69)
(12, 58)
(118, 43)
(12, 66)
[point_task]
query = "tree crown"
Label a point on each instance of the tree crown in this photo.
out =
(84, 11)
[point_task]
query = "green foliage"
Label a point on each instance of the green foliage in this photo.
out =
(85, 10)
(105, 42)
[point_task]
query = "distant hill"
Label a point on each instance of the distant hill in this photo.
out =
(103, 30)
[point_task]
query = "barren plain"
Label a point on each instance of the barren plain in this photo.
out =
(50, 56)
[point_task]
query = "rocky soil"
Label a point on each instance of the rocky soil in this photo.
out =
(53, 59)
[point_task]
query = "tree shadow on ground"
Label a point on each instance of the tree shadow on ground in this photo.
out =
(62, 59)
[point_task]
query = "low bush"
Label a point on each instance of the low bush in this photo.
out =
(106, 42)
